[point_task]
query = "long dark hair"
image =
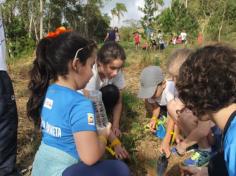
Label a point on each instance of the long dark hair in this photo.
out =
(110, 51)
(52, 58)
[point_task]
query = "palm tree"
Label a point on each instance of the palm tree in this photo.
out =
(119, 10)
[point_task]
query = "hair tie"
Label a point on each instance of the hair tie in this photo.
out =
(58, 31)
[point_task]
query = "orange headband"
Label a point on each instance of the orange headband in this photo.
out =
(58, 31)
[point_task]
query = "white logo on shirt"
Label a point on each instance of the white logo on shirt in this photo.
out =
(51, 130)
(48, 103)
(90, 118)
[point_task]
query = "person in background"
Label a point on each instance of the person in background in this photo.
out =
(160, 40)
(111, 35)
(117, 34)
(107, 70)
(207, 87)
(8, 114)
(70, 139)
(136, 40)
(183, 35)
(153, 44)
(200, 39)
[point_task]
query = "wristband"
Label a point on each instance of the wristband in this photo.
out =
(110, 150)
(115, 142)
(103, 139)
(154, 118)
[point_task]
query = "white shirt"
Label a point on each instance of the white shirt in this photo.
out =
(183, 35)
(117, 37)
(95, 83)
(3, 65)
(167, 95)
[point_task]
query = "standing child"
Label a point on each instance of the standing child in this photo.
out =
(136, 40)
(207, 86)
(117, 34)
(70, 139)
(183, 35)
(111, 35)
(160, 40)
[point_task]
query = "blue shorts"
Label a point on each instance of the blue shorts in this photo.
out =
(101, 168)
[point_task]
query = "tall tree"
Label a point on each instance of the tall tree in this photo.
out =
(119, 10)
(41, 19)
(151, 11)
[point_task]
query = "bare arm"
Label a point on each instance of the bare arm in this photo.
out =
(89, 147)
(117, 115)
(155, 109)
(165, 145)
(120, 151)
(202, 130)
(106, 37)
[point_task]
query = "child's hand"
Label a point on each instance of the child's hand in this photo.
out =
(181, 148)
(116, 131)
(120, 152)
(152, 125)
(165, 148)
(178, 138)
(193, 171)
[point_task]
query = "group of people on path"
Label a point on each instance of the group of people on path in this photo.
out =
(198, 94)
(157, 41)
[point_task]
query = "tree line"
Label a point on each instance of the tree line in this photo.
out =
(27, 21)
(210, 17)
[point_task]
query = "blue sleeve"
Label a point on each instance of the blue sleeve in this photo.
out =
(82, 117)
(230, 157)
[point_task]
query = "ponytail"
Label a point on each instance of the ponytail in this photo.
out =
(53, 55)
(40, 76)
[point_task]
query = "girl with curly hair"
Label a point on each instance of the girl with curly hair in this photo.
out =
(207, 86)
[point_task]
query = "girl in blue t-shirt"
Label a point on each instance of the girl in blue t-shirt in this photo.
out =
(71, 144)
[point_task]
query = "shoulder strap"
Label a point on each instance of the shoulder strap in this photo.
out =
(227, 127)
(228, 123)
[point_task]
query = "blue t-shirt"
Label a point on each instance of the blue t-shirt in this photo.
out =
(230, 148)
(65, 112)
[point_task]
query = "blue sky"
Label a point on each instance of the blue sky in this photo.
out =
(132, 8)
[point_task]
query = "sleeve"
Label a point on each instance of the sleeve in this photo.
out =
(119, 80)
(229, 154)
(91, 85)
(170, 91)
(151, 101)
(82, 117)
